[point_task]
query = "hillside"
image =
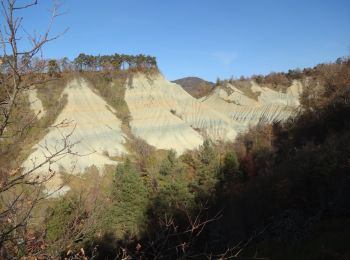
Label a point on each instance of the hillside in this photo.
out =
(159, 112)
(137, 147)
(267, 106)
(194, 86)
(167, 117)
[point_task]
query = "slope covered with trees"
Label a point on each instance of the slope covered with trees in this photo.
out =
(194, 86)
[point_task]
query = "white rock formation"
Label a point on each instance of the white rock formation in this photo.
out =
(231, 94)
(162, 113)
(269, 96)
(35, 103)
(295, 90)
(244, 111)
(167, 117)
(93, 127)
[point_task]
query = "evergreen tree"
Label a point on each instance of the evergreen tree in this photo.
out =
(173, 195)
(129, 201)
(53, 68)
(230, 168)
(207, 174)
(230, 172)
(169, 165)
(79, 61)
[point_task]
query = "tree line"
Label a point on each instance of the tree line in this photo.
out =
(285, 79)
(115, 61)
(83, 62)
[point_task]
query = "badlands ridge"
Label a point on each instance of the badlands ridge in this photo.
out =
(162, 113)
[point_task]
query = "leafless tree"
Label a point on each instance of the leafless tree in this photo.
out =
(21, 189)
(172, 240)
(83, 224)
(143, 152)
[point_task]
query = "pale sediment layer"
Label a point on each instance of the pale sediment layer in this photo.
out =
(162, 113)
(270, 106)
(35, 103)
(167, 117)
(87, 122)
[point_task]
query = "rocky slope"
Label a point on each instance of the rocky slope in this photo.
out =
(35, 103)
(167, 117)
(162, 113)
(267, 107)
(87, 122)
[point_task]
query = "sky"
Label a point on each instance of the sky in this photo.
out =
(203, 38)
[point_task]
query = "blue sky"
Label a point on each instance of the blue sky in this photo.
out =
(204, 38)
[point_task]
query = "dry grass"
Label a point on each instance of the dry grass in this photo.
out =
(92, 179)
(246, 87)
(34, 129)
(111, 86)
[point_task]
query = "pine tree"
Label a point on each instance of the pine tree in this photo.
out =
(230, 168)
(207, 175)
(53, 68)
(129, 201)
(230, 172)
(169, 164)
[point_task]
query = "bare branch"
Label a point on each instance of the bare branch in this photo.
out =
(22, 189)
(26, 6)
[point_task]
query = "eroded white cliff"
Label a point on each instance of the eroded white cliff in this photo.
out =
(245, 111)
(87, 122)
(167, 117)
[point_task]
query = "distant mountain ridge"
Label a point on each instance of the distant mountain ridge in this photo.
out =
(195, 86)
